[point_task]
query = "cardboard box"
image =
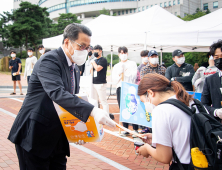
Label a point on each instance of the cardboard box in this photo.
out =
(76, 130)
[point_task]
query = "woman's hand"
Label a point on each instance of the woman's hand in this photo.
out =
(148, 137)
(143, 151)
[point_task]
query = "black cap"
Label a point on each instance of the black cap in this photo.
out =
(152, 52)
(177, 53)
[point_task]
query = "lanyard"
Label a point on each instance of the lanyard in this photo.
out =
(98, 61)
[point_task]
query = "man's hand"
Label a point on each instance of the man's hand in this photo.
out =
(201, 69)
(17, 73)
(80, 142)
(148, 138)
(143, 151)
(102, 117)
(10, 67)
(219, 113)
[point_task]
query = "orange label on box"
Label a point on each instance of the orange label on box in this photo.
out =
(76, 130)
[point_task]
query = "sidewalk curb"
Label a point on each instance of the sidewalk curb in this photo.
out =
(9, 87)
(13, 96)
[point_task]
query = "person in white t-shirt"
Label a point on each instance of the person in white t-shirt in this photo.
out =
(126, 71)
(41, 49)
(170, 125)
(29, 64)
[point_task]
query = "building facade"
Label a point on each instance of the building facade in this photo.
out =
(88, 9)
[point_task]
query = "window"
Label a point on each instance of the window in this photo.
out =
(185, 14)
(151, 5)
(130, 10)
(126, 11)
(169, 3)
(118, 12)
(215, 4)
(139, 9)
(147, 7)
(165, 4)
(176, 13)
(122, 12)
(174, 2)
(178, 1)
(143, 8)
(205, 6)
(134, 10)
(160, 4)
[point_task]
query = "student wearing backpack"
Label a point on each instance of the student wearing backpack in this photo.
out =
(170, 125)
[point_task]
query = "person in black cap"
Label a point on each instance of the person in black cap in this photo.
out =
(180, 71)
(153, 65)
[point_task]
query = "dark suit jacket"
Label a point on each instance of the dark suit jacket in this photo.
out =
(211, 94)
(37, 127)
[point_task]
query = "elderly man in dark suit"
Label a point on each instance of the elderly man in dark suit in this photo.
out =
(212, 90)
(37, 132)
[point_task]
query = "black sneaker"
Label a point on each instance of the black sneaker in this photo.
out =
(124, 133)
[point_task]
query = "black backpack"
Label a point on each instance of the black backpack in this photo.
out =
(205, 133)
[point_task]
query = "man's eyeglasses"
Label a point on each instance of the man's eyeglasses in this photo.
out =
(83, 47)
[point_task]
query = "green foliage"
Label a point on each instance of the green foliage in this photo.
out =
(167, 59)
(24, 55)
(196, 57)
(115, 59)
(64, 20)
(191, 58)
(104, 11)
(26, 25)
(195, 15)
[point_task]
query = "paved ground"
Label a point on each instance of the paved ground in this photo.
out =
(113, 152)
(115, 148)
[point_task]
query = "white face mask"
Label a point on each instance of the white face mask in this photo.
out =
(41, 51)
(154, 60)
(13, 55)
(30, 53)
(149, 106)
(123, 57)
(79, 57)
(145, 60)
(180, 60)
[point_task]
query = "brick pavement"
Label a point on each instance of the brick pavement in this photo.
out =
(6, 80)
(112, 147)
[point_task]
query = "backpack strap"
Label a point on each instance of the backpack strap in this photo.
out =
(200, 106)
(185, 109)
(177, 160)
(180, 105)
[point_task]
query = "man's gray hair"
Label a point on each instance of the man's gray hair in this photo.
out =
(72, 31)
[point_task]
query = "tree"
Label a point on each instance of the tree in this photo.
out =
(104, 11)
(29, 25)
(115, 59)
(63, 21)
(195, 15)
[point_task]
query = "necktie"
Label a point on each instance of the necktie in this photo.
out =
(71, 68)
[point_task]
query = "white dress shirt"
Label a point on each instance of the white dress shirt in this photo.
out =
(29, 65)
(130, 72)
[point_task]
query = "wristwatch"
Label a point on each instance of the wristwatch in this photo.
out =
(173, 79)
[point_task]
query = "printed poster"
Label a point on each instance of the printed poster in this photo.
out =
(132, 110)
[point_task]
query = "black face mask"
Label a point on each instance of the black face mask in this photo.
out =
(90, 53)
(96, 54)
(218, 63)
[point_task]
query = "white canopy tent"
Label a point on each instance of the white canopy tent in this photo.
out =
(132, 31)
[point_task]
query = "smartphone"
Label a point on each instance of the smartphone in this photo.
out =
(137, 145)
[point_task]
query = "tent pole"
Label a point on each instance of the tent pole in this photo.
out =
(145, 47)
(111, 67)
(161, 56)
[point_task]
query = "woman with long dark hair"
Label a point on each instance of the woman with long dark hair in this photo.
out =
(171, 126)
